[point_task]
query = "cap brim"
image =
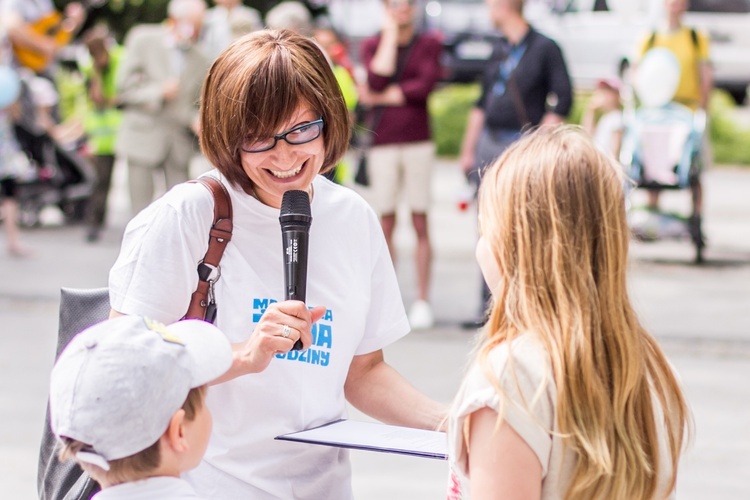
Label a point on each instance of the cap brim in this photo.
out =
(208, 347)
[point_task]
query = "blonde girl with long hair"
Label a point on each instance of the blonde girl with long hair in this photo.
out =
(567, 396)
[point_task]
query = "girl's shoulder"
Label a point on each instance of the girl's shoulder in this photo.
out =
(526, 350)
(522, 367)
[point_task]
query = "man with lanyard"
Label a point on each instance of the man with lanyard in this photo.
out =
(691, 48)
(523, 74)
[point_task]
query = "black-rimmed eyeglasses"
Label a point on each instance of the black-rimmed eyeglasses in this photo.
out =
(300, 134)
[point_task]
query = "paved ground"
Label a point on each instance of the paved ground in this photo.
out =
(700, 314)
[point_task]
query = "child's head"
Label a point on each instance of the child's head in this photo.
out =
(96, 40)
(291, 15)
(554, 251)
(127, 395)
(608, 93)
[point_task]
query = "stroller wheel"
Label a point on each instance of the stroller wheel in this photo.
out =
(28, 215)
(74, 210)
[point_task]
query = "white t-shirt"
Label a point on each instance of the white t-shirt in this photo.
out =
(32, 10)
(153, 488)
(349, 271)
(609, 123)
(530, 410)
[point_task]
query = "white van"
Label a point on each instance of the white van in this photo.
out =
(599, 37)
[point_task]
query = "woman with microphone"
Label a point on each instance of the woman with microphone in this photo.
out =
(272, 119)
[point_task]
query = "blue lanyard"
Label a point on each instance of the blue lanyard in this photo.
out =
(507, 66)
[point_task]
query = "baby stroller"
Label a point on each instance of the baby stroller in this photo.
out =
(661, 149)
(63, 179)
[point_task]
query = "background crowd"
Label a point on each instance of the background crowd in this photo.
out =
(98, 84)
(141, 106)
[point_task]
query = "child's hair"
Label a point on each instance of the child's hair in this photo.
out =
(136, 466)
(552, 209)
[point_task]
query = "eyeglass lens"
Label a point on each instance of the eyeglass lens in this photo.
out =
(300, 134)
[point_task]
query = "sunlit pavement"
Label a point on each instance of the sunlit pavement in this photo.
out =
(700, 314)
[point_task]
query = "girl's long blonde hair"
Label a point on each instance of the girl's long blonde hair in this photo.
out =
(553, 211)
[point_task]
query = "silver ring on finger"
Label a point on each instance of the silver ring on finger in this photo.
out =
(286, 331)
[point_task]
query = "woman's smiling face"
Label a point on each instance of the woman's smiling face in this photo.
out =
(285, 166)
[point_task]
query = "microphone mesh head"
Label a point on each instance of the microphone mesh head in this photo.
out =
(295, 202)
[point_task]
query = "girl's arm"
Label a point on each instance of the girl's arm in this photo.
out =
(501, 464)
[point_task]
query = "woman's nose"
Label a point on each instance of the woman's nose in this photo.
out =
(283, 152)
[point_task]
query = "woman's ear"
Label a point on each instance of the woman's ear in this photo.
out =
(175, 434)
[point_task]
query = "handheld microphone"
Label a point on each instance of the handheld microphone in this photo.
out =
(295, 220)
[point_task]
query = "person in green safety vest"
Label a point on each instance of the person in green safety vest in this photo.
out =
(102, 121)
(334, 48)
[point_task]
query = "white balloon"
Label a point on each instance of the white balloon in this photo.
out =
(657, 78)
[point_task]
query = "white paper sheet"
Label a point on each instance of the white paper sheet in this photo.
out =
(374, 436)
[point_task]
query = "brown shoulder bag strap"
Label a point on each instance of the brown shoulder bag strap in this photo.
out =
(202, 303)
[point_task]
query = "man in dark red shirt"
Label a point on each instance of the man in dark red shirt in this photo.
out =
(403, 67)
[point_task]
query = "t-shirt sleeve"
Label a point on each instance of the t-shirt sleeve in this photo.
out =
(528, 401)
(386, 319)
(618, 122)
(156, 271)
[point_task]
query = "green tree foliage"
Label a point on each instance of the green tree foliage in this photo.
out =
(121, 15)
(449, 109)
(731, 140)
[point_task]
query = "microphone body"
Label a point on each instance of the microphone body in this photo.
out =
(295, 219)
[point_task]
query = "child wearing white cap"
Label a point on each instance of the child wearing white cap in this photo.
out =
(127, 402)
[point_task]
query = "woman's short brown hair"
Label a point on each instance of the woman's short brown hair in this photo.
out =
(254, 87)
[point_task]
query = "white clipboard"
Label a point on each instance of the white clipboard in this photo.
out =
(373, 436)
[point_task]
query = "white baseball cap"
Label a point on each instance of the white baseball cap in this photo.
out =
(118, 383)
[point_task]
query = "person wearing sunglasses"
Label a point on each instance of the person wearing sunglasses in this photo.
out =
(272, 119)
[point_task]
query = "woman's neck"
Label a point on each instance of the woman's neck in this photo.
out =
(273, 202)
